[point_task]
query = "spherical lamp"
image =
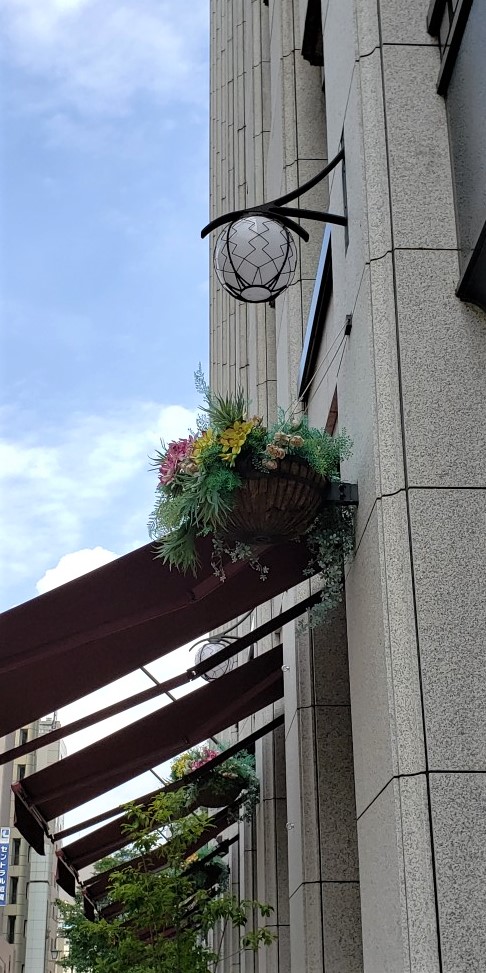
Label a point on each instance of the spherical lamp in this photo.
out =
(208, 649)
(255, 258)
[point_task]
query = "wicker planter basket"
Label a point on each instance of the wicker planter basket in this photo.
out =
(205, 876)
(274, 506)
(219, 791)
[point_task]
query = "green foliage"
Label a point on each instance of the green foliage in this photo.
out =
(221, 410)
(200, 477)
(322, 451)
(167, 914)
(111, 861)
(330, 540)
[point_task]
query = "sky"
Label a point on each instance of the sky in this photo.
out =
(103, 275)
(103, 278)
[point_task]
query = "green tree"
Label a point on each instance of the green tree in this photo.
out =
(111, 861)
(164, 916)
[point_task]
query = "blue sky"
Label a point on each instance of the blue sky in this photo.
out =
(103, 276)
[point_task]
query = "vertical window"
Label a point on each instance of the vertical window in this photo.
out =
(11, 929)
(16, 851)
(23, 736)
(461, 29)
(14, 886)
(20, 771)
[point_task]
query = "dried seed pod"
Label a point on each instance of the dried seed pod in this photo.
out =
(296, 441)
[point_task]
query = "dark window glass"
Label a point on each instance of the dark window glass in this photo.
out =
(16, 851)
(14, 887)
(24, 735)
(466, 101)
(11, 929)
(461, 28)
(21, 772)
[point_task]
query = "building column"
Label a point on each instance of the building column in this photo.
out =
(324, 901)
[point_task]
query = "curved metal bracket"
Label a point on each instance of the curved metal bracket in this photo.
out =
(279, 210)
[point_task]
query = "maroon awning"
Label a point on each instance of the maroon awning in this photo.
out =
(96, 887)
(174, 682)
(113, 836)
(153, 739)
(87, 633)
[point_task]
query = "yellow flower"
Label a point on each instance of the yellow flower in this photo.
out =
(181, 766)
(201, 444)
(233, 439)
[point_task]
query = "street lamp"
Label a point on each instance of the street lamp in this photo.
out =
(255, 256)
(209, 648)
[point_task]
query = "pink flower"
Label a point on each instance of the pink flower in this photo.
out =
(175, 455)
(206, 756)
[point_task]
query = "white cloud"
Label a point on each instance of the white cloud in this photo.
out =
(84, 476)
(101, 54)
(72, 566)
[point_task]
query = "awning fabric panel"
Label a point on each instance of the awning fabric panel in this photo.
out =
(96, 886)
(112, 836)
(72, 640)
(29, 825)
(155, 738)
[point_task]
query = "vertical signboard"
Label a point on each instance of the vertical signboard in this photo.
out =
(4, 850)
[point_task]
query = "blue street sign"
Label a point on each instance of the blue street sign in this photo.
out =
(4, 850)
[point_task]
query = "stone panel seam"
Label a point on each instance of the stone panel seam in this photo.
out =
(307, 158)
(419, 773)
(340, 881)
(379, 47)
(406, 490)
(318, 705)
(302, 884)
(389, 253)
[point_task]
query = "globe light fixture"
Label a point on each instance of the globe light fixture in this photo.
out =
(208, 649)
(255, 256)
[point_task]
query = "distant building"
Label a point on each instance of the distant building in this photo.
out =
(6, 956)
(29, 920)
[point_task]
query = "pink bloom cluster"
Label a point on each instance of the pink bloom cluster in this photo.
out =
(207, 755)
(177, 453)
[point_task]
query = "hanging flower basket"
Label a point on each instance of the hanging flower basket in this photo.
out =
(218, 790)
(205, 875)
(232, 780)
(248, 486)
(273, 506)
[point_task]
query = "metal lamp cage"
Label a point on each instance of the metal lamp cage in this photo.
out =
(210, 648)
(255, 258)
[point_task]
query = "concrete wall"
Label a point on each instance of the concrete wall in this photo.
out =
(384, 777)
(6, 956)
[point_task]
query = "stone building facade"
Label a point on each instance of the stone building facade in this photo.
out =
(370, 838)
(29, 922)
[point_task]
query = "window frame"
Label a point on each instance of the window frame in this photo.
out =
(457, 26)
(321, 298)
